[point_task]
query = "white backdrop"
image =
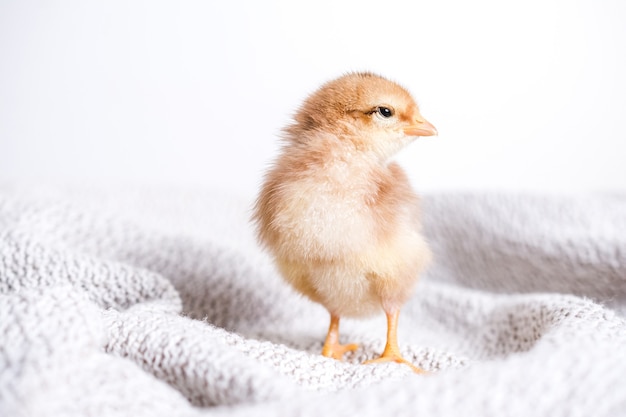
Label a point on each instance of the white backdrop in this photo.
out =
(525, 94)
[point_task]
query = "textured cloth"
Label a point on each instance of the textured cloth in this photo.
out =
(158, 302)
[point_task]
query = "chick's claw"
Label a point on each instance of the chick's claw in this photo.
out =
(336, 350)
(397, 359)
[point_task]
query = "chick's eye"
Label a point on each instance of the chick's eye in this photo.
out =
(385, 112)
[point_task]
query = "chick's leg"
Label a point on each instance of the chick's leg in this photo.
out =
(392, 351)
(332, 347)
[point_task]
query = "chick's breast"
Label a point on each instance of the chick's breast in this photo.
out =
(345, 237)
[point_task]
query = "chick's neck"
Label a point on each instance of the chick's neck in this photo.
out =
(343, 159)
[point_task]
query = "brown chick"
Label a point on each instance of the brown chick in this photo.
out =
(339, 218)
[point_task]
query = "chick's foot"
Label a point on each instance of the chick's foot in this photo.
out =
(393, 357)
(392, 351)
(332, 347)
(336, 350)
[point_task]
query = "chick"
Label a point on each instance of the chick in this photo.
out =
(339, 218)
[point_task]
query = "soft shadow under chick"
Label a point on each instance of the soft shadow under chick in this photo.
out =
(339, 218)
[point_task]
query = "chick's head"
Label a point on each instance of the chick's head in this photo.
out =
(362, 110)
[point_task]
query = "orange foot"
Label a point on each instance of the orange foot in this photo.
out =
(398, 359)
(336, 350)
(332, 347)
(392, 351)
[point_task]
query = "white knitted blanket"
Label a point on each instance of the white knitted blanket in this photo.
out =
(158, 302)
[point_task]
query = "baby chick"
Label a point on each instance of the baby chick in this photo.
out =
(339, 218)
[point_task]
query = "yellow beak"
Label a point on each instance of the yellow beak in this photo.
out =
(421, 127)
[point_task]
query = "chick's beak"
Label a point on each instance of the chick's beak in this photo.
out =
(420, 127)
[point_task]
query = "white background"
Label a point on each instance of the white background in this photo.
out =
(525, 94)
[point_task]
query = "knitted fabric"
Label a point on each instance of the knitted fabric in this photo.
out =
(159, 302)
